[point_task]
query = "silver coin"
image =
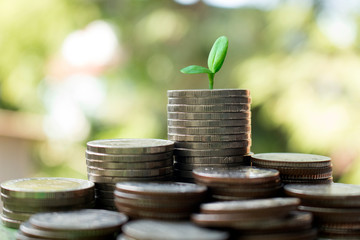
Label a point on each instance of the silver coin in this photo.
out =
(160, 188)
(108, 179)
(211, 152)
(130, 173)
(211, 160)
(213, 145)
(200, 93)
(209, 130)
(130, 166)
(165, 230)
(130, 146)
(210, 100)
(18, 216)
(128, 158)
(190, 167)
(208, 116)
(218, 108)
(10, 223)
(209, 138)
(290, 157)
(208, 123)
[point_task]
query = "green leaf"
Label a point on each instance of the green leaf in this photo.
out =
(217, 54)
(195, 69)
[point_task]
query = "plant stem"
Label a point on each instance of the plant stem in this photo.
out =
(211, 80)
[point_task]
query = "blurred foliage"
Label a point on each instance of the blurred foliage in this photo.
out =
(304, 88)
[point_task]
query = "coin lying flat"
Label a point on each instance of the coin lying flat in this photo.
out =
(212, 145)
(211, 160)
(211, 153)
(208, 123)
(333, 215)
(130, 173)
(110, 179)
(130, 146)
(210, 100)
(208, 130)
(223, 108)
(200, 93)
(209, 116)
(164, 230)
(210, 138)
(290, 158)
(127, 158)
(132, 166)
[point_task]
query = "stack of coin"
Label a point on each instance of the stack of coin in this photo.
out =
(164, 230)
(115, 160)
(167, 201)
(239, 183)
(297, 167)
(23, 197)
(336, 208)
(273, 218)
(86, 224)
(210, 128)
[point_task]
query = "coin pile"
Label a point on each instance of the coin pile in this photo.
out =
(297, 167)
(23, 197)
(86, 224)
(115, 160)
(210, 128)
(336, 208)
(273, 218)
(239, 183)
(164, 230)
(166, 201)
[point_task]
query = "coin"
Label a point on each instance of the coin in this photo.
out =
(211, 160)
(209, 100)
(247, 193)
(220, 108)
(210, 138)
(18, 216)
(208, 130)
(200, 93)
(105, 186)
(308, 181)
(127, 158)
(333, 215)
(308, 234)
(290, 158)
(239, 174)
(164, 230)
(329, 195)
(211, 152)
(81, 223)
(11, 223)
(190, 167)
(130, 173)
(212, 145)
(307, 176)
(108, 179)
(209, 116)
(129, 166)
(208, 123)
(130, 146)
(301, 170)
(45, 188)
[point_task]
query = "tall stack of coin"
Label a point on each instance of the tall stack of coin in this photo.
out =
(86, 224)
(297, 167)
(336, 208)
(166, 201)
(23, 197)
(164, 230)
(115, 160)
(239, 183)
(210, 128)
(272, 218)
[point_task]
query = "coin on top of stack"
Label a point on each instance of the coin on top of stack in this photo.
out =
(115, 160)
(239, 183)
(297, 167)
(210, 128)
(252, 219)
(336, 207)
(159, 200)
(86, 224)
(23, 197)
(168, 230)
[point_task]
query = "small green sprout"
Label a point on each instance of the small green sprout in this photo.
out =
(215, 60)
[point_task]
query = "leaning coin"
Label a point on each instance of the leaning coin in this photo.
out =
(209, 130)
(220, 108)
(81, 223)
(130, 165)
(200, 93)
(45, 188)
(127, 158)
(208, 123)
(130, 173)
(209, 138)
(208, 116)
(210, 100)
(166, 230)
(130, 146)
(211, 152)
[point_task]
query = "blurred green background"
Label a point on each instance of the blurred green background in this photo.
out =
(73, 71)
